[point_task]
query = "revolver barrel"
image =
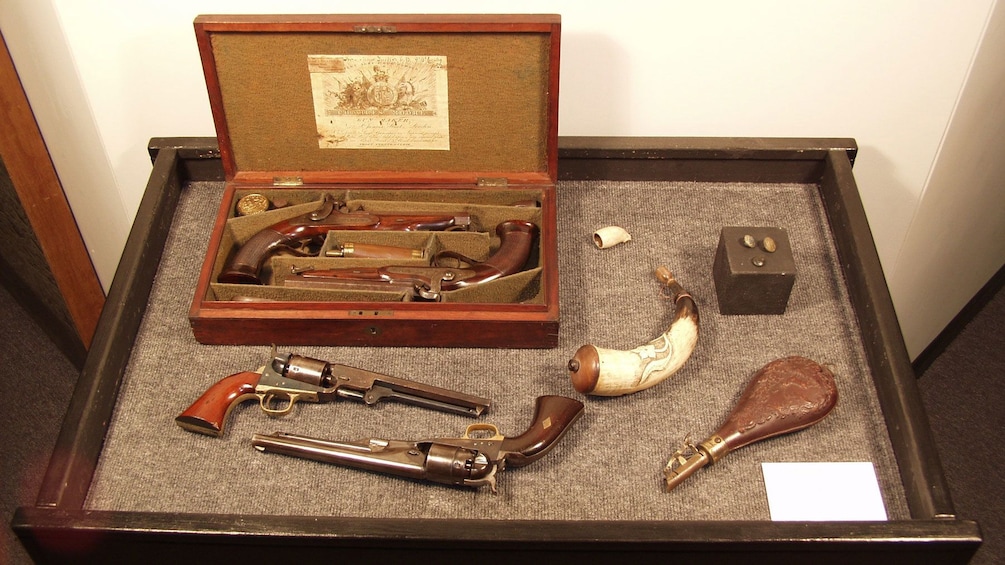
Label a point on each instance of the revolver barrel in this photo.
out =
(430, 461)
(371, 388)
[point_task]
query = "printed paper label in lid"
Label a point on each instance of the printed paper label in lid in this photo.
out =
(380, 101)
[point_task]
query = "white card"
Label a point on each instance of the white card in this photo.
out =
(845, 491)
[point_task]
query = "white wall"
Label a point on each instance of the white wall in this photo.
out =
(956, 241)
(106, 75)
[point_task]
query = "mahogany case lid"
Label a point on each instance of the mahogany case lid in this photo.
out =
(384, 98)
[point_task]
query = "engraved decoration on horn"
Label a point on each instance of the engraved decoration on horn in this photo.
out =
(611, 372)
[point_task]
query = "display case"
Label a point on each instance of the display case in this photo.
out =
(126, 483)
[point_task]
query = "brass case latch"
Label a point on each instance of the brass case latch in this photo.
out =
(287, 181)
(501, 182)
(375, 29)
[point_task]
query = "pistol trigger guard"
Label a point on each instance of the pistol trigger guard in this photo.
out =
(483, 427)
(300, 249)
(266, 402)
(433, 292)
(309, 247)
(458, 257)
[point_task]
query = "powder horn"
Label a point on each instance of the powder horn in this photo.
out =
(785, 396)
(610, 372)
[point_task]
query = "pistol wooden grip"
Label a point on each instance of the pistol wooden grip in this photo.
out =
(552, 417)
(245, 265)
(208, 414)
(786, 395)
(516, 238)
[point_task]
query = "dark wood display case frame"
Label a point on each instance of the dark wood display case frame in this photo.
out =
(59, 527)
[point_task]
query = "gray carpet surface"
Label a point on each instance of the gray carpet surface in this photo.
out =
(610, 464)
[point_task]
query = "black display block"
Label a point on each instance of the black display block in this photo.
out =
(754, 270)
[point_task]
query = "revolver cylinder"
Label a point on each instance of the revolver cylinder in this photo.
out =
(455, 465)
(304, 369)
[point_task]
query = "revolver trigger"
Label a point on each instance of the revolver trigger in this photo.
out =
(278, 404)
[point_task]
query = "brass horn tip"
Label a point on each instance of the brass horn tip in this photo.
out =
(664, 275)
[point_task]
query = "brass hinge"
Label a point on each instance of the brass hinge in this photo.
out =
(375, 29)
(489, 181)
(287, 181)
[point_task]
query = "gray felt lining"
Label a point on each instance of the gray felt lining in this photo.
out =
(608, 467)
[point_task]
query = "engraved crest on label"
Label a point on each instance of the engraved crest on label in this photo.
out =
(380, 101)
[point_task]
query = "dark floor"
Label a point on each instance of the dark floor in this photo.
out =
(963, 392)
(37, 380)
(960, 387)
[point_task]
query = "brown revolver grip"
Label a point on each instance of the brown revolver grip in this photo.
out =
(552, 417)
(785, 395)
(208, 414)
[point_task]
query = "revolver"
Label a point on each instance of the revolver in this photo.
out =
(471, 460)
(288, 378)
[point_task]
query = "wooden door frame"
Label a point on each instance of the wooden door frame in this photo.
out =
(34, 177)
